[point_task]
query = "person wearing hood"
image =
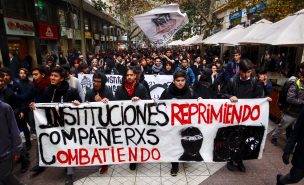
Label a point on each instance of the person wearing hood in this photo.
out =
(168, 69)
(203, 88)
(178, 89)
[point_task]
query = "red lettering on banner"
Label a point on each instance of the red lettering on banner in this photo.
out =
(83, 155)
(133, 155)
(96, 155)
(120, 155)
(144, 150)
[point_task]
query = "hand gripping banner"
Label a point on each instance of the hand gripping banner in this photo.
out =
(147, 131)
(160, 24)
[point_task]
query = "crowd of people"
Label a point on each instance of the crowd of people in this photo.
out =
(194, 77)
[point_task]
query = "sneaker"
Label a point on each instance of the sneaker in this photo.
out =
(132, 166)
(103, 169)
(278, 179)
(174, 171)
(69, 180)
(231, 166)
(241, 167)
(37, 169)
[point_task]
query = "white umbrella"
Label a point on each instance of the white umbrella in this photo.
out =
(199, 40)
(288, 31)
(213, 39)
(232, 36)
(190, 40)
(176, 43)
(251, 32)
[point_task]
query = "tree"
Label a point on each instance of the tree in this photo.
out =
(275, 9)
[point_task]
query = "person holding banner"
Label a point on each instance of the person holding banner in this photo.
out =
(241, 86)
(59, 91)
(99, 93)
(178, 89)
(190, 77)
(131, 89)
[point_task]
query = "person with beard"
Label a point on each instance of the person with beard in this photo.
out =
(242, 86)
(178, 89)
(59, 91)
(100, 93)
(168, 69)
(131, 89)
(203, 87)
(157, 66)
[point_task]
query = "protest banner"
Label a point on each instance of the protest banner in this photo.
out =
(160, 24)
(147, 131)
(157, 83)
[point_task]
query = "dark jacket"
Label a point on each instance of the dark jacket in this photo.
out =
(145, 84)
(297, 138)
(8, 96)
(242, 89)
(63, 93)
(26, 95)
(204, 90)
(140, 91)
(104, 92)
(231, 70)
(174, 93)
(10, 141)
(14, 66)
(295, 98)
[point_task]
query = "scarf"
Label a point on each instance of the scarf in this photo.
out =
(157, 69)
(130, 87)
(42, 84)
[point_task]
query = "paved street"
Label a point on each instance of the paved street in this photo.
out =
(259, 172)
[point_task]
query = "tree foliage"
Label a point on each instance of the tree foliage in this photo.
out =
(275, 9)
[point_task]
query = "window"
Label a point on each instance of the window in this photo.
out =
(74, 21)
(62, 18)
(15, 8)
(86, 24)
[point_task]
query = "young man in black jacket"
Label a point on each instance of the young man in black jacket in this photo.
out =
(59, 91)
(242, 86)
(177, 90)
(131, 89)
(297, 171)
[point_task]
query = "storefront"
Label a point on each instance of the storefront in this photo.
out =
(20, 37)
(89, 41)
(48, 35)
(77, 37)
(66, 40)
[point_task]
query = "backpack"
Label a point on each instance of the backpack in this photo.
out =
(283, 104)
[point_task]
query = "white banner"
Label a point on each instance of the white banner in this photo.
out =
(147, 131)
(157, 83)
(160, 24)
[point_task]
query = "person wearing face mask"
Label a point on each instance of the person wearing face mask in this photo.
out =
(178, 89)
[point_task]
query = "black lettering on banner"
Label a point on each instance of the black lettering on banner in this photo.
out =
(141, 114)
(93, 119)
(101, 122)
(163, 113)
(70, 136)
(83, 136)
(41, 150)
(151, 105)
(151, 132)
(130, 136)
(141, 137)
(110, 115)
(86, 117)
(78, 118)
(116, 136)
(73, 122)
(134, 115)
(53, 136)
(92, 136)
(106, 138)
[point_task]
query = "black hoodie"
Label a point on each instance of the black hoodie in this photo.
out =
(61, 94)
(174, 93)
